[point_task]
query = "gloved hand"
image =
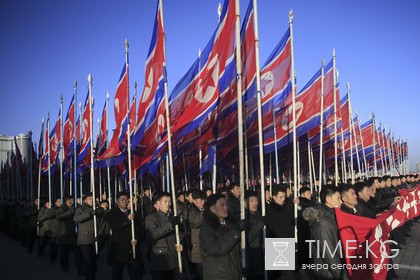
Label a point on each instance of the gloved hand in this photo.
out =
(243, 225)
(175, 220)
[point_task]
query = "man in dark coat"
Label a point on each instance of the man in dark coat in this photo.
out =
(160, 234)
(66, 238)
(233, 194)
(303, 226)
(254, 238)
(51, 214)
(363, 208)
(219, 241)
(195, 221)
(30, 216)
(83, 216)
(120, 252)
(324, 233)
(349, 198)
(44, 228)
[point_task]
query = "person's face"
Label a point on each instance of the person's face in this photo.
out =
(164, 204)
(36, 202)
(288, 192)
(252, 204)
(306, 195)
(334, 201)
(190, 198)
(147, 192)
(376, 183)
(181, 198)
(70, 202)
(199, 203)
(267, 195)
(388, 183)
(58, 203)
(236, 191)
(209, 193)
(89, 201)
(372, 191)
(220, 209)
(279, 198)
(104, 206)
(364, 194)
(349, 198)
(394, 182)
(382, 184)
(122, 202)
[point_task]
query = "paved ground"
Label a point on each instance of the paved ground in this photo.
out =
(408, 260)
(17, 264)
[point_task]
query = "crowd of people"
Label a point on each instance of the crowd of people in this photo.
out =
(145, 241)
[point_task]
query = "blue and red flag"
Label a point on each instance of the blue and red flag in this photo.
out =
(85, 133)
(68, 130)
(113, 154)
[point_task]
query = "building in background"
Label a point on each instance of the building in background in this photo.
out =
(7, 146)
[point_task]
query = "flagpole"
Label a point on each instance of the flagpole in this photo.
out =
(335, 120)
(200, 152)
(169, 137)
(375, 167)
(275, 146)
(343, 155)
(39, 179)
(384, 148)
(310, 165)
(92, 173)
(200, 157)
(61, 152)
(246, 148)
(129, 148)
(240, 125)
(380, 149)
(363, 148)
(313, 166)
(99, 169)
(321, 128)
(81, 133)
(30, 185)
(107, 167)
(134, 172)
(351, 134)
(49, 161)
(295, 175)
(75, 145)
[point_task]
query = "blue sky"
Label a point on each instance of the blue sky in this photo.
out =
(46, 45)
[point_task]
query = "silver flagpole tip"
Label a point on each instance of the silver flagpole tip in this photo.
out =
(291, 16)
(90, 79)
(43, 120)
(107, 94)
(333, 51)
(126, 44)
(219, 10)
(135, 85)
(61, 98)
(75, 83)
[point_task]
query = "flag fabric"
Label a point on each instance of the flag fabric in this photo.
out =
(68, 130)
(113, 154)
(197, 93)
(85, 133)
(102, 141)
(151, 102)
(55, 141)
(46, 154)
(365, 241)
(209, 160)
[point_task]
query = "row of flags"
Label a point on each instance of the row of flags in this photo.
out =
(203, 112)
